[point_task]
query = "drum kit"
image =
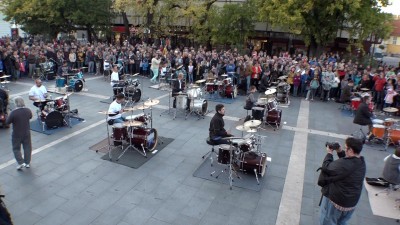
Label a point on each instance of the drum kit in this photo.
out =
(55, 111)
(224, 87)
(135, 131)
(243, 153)
(130, 87)
(283, 89)
(386, 131)
(4, 81)
(266, 109)
(47, 70)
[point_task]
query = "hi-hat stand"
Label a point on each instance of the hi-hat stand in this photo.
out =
(168, 111)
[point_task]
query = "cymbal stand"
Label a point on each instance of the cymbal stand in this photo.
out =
(130, 136)
(168, 111)
(258, 141)
(232, 170)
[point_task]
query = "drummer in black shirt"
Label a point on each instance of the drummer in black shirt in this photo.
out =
(177, 88)
(217, 130)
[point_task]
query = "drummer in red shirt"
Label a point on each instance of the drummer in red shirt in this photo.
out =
(379, 87)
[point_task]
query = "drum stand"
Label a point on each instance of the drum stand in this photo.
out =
(151, 125)
(232, 170)
(168, 111)
(142, 152)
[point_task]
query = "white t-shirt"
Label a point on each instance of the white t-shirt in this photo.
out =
(114, 108)
(155, 63)
(114, 78)
(38, 92)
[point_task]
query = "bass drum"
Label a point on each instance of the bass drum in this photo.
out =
(53, 120)
(231, 91)
(200, 106)
(76, 85)
(133, 93)
(274, 117)
(146, 137)
(250, 162)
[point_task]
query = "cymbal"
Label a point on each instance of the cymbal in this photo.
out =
(5, 76)
(106, 113)
(5, 82)
(44, 100)
(252, 123)
(151, 102)
(179, 67)
(270, 91)
(251, 131)
(224, 75)
(132, 123)
(364, 89)
(84, 67)
(194, 86)
(242, 128)
(143, 107)
(229, 138)
(231, 72)
(272, 87)
(136, 74)
(200, 81)
(390, 109)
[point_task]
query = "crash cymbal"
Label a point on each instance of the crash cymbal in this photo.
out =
(252, 123)
(143, 107)
(106, 113)
(200, 81)
(242, 128)
(151, 102)
(390, 109)
(5, 76)
(132, 123)
(224, 75)
(270, 91)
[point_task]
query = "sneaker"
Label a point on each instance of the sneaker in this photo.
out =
(27, 166)
(306, 99)
(312, 99)
(329, 99)
(20, 166)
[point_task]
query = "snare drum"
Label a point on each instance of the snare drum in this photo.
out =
(60, 103)
(246, 145)
(224, 153)
(119, 133)
(143, 138)
(139, 117)
(227, 81)
(60, 82)
(272, 104)
(250, 162)
(355, 102)
(378, 131)
(377, 121)
(388, 122)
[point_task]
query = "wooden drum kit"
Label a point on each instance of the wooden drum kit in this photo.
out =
(386, 131)
(223, 87)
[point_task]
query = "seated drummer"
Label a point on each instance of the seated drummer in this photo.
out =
(217, 131)
(251, 100)
(177, 88)
(115, 110)
(347, 94)
(363, 115)
(63, 70)
(38, 94)
(115, 82)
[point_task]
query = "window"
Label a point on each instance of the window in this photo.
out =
(394, 40)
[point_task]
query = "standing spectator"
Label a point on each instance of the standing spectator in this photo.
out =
(296, 82)
(32, 60)
(72, 59)
(155, 67)
(81, 57)
(341, 181)
(90, 61)
(379, 86)
(21, 135)
(327, 80)
(256, 73)
(314, 85)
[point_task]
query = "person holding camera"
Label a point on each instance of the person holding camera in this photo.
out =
(341, 181)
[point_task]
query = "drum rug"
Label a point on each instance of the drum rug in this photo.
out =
(107, 101)
(38, 126)
(134, 159)
(246, 181)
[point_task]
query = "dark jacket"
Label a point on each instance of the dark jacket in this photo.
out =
(363, 115)
(175, 87)
(344, 179)
(217, 126)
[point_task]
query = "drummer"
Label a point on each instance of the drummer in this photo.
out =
(115, 82)
(177, 88)
(115, 110)
(38, 94)
(217, 131)
(251, 100)
(363, 115)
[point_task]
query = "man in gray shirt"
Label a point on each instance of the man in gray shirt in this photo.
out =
(21, 134)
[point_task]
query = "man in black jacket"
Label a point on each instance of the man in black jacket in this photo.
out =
(363, 114)
(341, 182)
(217, 130)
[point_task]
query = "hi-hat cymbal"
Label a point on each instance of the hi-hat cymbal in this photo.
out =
(106, 113)
(143, 107)
(151, 102)
(252, 123)
(132, 123)
(270, 91)
(251, 131)
(5, 76)
(130, 109)
(242, 128)
(200, 81)
(390, 109)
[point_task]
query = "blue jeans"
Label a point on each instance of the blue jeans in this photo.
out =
(248, 83)
(329, 215)
(155, 75)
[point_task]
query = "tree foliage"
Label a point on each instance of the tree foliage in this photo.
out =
(318, 21)
(54, 16)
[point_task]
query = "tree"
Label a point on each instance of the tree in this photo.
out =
(54, 16)
(318, 21)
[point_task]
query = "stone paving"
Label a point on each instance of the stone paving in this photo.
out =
(70, 184)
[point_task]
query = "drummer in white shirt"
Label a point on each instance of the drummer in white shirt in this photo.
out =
(115, 110)
(115, 82)
(38, 94)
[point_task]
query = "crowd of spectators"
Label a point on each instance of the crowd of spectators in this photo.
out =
(329, 76)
